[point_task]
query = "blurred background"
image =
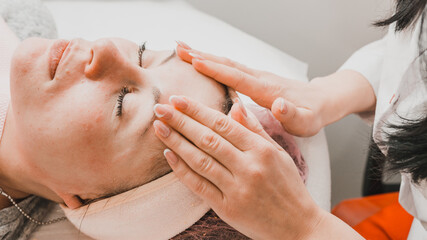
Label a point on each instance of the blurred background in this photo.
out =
(322, 33)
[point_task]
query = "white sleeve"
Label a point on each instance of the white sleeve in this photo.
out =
(368, 61)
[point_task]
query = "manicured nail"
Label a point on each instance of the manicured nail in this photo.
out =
(283, 109)
(241, 106)
(162, 111)
(183, 44)
(170, 156)
(161, 128)
(196, 56)
(178, 102)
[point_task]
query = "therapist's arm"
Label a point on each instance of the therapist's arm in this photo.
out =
(303, 108)
(344, 92)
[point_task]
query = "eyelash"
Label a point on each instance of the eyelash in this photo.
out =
(125, 90)
(140, 52)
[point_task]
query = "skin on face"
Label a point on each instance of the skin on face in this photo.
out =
(69, 132)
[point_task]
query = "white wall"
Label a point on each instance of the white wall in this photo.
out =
(322, 33)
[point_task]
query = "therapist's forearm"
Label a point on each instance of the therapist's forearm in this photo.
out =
(343, 93)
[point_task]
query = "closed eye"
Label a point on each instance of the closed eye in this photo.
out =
(141, 50)
(125, 90)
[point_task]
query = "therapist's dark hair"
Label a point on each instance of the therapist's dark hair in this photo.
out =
(407, 12)
(406, 143)
(406, 147)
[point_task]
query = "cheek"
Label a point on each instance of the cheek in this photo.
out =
(29, 65)
(74, 121)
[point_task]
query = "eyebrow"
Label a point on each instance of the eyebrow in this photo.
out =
(168, 58)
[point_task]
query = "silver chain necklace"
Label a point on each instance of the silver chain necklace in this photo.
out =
(26, 215)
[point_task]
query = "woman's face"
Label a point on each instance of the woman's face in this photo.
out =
(84, 111)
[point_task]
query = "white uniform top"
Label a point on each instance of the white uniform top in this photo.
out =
(392, 67)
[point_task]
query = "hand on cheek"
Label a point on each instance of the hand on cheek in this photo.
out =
(235, 167)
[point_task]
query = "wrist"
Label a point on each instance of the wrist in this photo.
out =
(343, 93)
(323, 102)
(328, 227)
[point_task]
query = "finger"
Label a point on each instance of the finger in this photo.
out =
(296, 121)
(196, 159)
(250, 122)
(232, 77)
(201, 136)
(196, 183)
(184, 53)
(233, 132)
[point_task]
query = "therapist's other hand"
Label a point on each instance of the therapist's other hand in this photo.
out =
(297, 105)
(247, 179)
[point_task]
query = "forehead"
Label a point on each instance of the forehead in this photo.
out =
(177, 77)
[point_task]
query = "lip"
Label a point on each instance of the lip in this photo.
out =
(55, 55)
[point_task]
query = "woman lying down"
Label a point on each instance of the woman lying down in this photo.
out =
(77, 129)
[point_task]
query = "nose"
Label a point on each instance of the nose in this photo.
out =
(106, 60)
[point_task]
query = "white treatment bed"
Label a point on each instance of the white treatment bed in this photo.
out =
(160, 23)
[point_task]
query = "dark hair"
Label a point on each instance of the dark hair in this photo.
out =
(406, 143)
(407, 12)
(407, 148)
(210, 226)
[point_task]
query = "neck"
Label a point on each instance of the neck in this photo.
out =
(12, 172)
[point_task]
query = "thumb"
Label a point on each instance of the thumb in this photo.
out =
(296, 120)
(239, 113)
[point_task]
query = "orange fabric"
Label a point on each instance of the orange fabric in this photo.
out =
(376, 217)
(354, 211)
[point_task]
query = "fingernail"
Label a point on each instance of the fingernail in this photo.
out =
(283, 109)
(161, 111)
(170, 156)
(161, 128)
(183, 44)
(241, 106)
(178, 102)
(196, 56)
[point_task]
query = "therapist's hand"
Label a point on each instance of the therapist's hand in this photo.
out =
(247, 179)
(297, 105)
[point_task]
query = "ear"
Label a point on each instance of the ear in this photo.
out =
(72, 201)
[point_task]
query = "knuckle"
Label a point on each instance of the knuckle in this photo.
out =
(175, 145)
(181, 123)
(210, 141)
(221, 124)
(183, 174)
(200, 187)
(268, 152)
(256, 174)
(245, 194)
(204, 164)
(193, 109)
